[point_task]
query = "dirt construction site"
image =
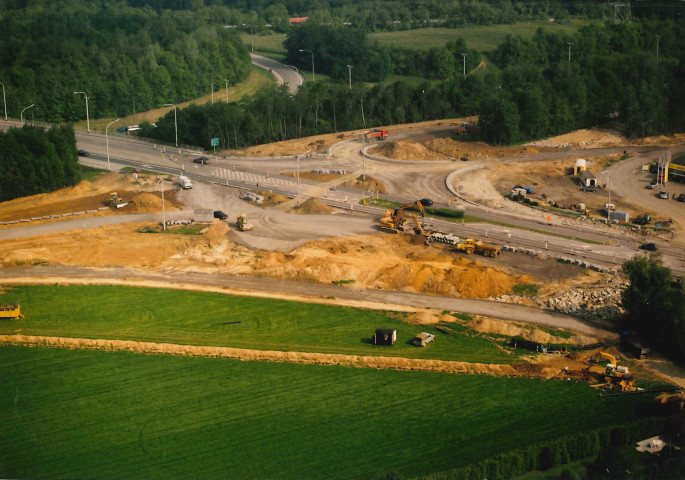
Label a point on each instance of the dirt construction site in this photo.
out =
(314, 243)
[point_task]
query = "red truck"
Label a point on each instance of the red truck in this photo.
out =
(378, 133)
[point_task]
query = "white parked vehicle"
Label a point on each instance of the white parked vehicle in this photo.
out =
(184, 182)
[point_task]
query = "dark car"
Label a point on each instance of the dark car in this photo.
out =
(588, 189)
(202, 160)
(220, 215)
(652, 247)
(82, 153)
(681, 197)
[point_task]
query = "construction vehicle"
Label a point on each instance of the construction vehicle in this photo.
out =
(377, 134)
(469, 246)
(617, 377)
(394, 221)
(241, 223)
(185, 182)
(116, 201)
(10, 310)
(581, 209)
(466, 127)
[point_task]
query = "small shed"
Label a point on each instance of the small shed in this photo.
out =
(384, 336)
(620, 215)
(587, 179)
(204, 215)
(580, 166)
(423, 339)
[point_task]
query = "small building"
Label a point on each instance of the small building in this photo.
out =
(204, 215)
(580, 166)
(385, 336)
(620, 215)
(587, 179)
(423, 339)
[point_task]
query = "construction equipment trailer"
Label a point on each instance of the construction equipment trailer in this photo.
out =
(10, 310)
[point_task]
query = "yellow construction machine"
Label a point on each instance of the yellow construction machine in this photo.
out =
(617, 377)
(10, 310)
(241, 223)
(395, 220)
(116, 201)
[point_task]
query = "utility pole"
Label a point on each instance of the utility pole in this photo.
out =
(349, 70)
(464, 55)
(569, 51)
(226, 90)
(657, 48)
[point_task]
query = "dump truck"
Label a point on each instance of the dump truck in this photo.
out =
(116, 201)
(241, 223)
(469, 246)
(10, 310)
(185, 182)
(377, 134)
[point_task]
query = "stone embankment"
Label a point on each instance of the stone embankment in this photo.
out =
(593, 304)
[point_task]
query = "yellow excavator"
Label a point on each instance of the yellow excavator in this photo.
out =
(116, 201)
(617, 377)
(395, 220)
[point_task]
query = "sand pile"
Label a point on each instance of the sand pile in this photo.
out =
(271, 199)
(367, 183)
(312, 206)
(403, 150)
(429, 318)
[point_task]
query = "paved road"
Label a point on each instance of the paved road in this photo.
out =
(266, 286)
(285, 74)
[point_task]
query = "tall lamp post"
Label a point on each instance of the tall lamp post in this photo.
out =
(107, 140)
(349, 71)
(363, 135)
(464, 55)
(608, 209)
(21, 115)
(298, 175)
(313, 75)
(87, 116)
(569, 51)
(226, 81)
(134, 109)
(163, 213)
(657, 60)
(3, 99)
(175, 122)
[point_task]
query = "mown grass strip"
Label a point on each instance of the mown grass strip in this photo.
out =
(87, 415)
(213, 319)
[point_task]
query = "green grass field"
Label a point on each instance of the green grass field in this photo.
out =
(200, 318)
(482, 38)
(117, 415)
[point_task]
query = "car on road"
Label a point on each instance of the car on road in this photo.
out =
(82, 153)
(651, 246)
(651, 186)
(681, 197)
(663, 195)
(220, 215)
(588, 189)
(202, 160)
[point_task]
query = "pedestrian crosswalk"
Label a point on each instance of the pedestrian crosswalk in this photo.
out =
(252, 178)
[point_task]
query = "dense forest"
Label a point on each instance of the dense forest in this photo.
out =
(34, 160)
(547, 85)
(114, 53)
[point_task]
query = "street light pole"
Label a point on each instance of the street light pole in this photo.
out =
(657, 55)
(21, 115)
(107, 140)
(134, 109)
(349, 70)
(226, 90)
(464, 55)
(298, 175)
(212, 89)
(3, 99)
(175, 123)
(569, 51)
(87, 116)
(163, 213)
(313, 75)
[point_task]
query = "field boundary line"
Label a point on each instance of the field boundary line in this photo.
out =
(359, 361)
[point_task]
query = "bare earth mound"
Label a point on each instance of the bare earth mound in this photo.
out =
(312, 206)
(403, 150)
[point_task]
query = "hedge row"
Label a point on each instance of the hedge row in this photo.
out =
(557, 452)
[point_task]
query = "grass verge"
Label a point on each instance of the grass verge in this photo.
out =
(213, 319)
(88, 414)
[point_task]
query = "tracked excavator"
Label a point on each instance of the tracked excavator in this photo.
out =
(395, 220)
(617, 377)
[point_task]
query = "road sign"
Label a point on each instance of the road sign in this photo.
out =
(215, 142)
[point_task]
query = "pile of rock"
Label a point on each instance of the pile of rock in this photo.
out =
(600, 303)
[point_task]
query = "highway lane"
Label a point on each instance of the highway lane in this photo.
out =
(285, 74)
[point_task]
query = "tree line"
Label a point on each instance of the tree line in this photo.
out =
(614, 74)
(120, 56)
(33, 160)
